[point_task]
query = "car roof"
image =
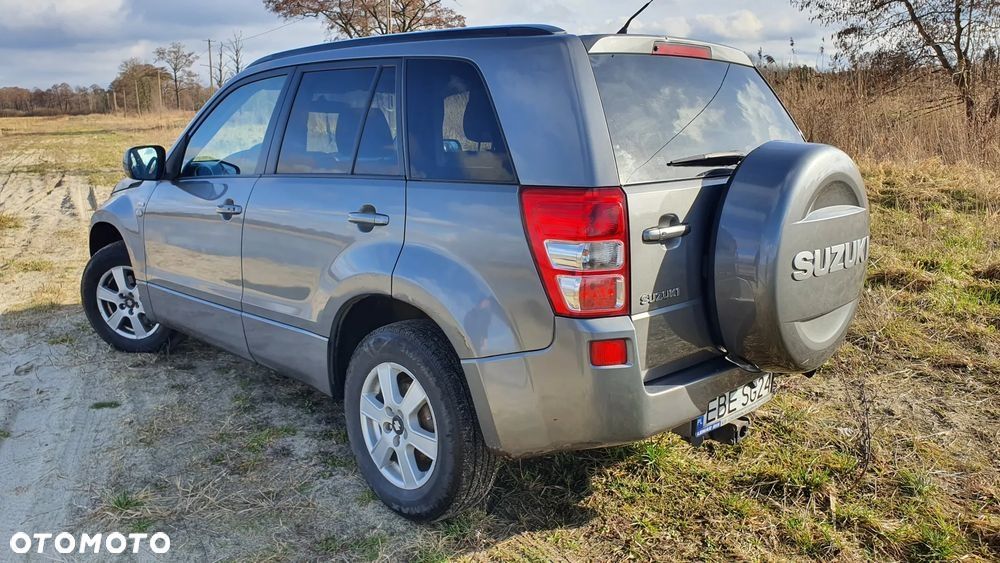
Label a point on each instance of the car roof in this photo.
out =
(595, 44)
(521, 30)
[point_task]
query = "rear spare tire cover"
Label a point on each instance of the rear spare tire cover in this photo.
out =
(789, 256)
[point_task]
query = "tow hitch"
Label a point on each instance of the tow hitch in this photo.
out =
(730, 434)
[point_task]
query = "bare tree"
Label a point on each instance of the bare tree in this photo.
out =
(220, 71)
(950, 34)
(136, 81)
(179, 63)
(235, 46)
(363, 18)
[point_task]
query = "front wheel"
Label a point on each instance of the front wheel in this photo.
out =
(113, 305)
(412, 425)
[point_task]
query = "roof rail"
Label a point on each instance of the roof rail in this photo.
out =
(414, 36)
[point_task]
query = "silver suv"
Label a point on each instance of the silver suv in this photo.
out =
(492, 242)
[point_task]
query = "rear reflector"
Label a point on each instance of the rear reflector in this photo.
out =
(608, 352)
(579, 241)
(682, 50)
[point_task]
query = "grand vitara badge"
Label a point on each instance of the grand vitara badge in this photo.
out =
(823, 261)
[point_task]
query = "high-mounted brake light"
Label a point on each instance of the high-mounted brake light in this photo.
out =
(579, 239)
(682, 50)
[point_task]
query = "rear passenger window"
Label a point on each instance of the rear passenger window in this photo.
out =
(379, 150)
(453, 132)
(325, 121)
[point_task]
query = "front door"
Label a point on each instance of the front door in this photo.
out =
(193, 224)
(325, 222)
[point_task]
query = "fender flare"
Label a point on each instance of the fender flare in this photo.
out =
(458, 299)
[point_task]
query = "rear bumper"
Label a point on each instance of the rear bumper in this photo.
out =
(553, 399)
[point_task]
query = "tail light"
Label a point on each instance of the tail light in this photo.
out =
(579, 239)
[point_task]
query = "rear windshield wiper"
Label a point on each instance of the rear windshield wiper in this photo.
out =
(709, 159)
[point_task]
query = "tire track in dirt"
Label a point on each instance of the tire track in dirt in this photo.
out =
(10, 163)
(41, 259)
(82, 201)
(54, 433)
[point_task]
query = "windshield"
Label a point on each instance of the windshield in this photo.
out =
(661, 109)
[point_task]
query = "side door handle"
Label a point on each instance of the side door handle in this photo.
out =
(368, 218)
(229, 209)
(657, 235)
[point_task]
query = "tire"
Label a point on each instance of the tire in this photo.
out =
(463, 470)
(102, 270)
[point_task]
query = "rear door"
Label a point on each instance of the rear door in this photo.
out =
(661, 109)
(326, 220)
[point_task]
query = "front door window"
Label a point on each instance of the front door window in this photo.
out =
(229, 141)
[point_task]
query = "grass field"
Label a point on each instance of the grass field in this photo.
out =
(890, 452)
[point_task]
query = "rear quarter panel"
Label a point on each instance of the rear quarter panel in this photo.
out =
(466, 263)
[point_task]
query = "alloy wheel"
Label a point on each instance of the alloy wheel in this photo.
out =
(120, 306)
(398, 426)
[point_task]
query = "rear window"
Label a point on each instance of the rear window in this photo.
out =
(660, 109)
(324, 123)
(454, 134)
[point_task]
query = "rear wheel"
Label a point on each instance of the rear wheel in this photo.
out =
(411, 423)
(113, 305)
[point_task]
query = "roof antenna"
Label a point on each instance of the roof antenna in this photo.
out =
(624, 29)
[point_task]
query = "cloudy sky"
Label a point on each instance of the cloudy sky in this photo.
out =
(43, 42)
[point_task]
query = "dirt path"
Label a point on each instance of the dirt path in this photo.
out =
(56, 444)
(226, 457)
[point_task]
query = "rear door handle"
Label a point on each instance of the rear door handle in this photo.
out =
(368, 218)
(229, 209)
(656, 235)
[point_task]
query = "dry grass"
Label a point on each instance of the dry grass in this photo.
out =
(85, 145)
(8, 221)
(890, 452)
(878, 117)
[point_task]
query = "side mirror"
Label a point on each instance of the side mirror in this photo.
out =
(145, 162)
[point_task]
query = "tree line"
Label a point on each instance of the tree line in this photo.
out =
(169, 82)
(140, 87)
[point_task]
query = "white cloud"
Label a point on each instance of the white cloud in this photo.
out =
(742, 25)
(676, 26)
(73, 16)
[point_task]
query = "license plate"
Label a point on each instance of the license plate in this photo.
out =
(734, 404)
